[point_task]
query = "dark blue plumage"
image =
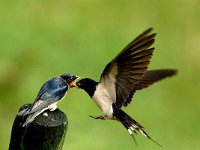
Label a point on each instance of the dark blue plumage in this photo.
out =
(50, 93)
(53, 89)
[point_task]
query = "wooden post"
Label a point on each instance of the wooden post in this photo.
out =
(44, 133)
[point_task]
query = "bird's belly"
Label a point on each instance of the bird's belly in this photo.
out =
(103, 101)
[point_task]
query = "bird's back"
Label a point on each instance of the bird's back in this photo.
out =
(53, 89)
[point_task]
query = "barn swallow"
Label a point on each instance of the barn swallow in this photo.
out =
(49, 95)
(121, 78)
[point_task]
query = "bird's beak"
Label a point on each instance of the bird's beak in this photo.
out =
(73, 83)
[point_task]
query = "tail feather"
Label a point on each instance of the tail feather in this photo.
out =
(29, 115)
(32, 116)
(146, 135)
(131, 125)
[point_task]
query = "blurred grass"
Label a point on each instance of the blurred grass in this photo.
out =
(43, 39)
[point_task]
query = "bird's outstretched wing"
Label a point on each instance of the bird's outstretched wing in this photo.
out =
(128, 67)
(148, 79)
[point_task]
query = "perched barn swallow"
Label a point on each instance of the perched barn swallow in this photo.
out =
(49, 95)
(124, 75)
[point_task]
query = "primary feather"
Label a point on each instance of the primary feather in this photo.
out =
(128, 67)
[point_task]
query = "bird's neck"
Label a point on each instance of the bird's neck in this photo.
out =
(90, 89)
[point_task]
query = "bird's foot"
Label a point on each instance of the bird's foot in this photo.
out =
(98, 117)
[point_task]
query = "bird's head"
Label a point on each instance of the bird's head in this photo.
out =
(70, 79)
(88, 85)
(84, 83)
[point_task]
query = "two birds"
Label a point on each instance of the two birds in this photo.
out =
(121, 78)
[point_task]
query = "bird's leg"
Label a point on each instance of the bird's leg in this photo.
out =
(98, 117)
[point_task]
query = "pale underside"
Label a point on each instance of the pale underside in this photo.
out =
(104, 100)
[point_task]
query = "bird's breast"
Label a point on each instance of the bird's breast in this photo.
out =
(103, 100)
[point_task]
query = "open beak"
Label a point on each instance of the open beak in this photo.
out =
(73, 83)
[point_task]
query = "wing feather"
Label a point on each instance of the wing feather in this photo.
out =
(128, 67)
(148, 79)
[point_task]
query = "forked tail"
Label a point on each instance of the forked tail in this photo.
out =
(130, 124)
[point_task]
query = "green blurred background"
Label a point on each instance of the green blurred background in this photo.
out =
(41, 39)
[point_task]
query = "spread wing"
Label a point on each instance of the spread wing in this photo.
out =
(149, 78)
(128, 67)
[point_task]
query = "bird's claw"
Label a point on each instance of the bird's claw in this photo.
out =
(97, 117)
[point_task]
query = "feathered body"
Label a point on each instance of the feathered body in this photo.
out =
(48, 96)
(121, 78)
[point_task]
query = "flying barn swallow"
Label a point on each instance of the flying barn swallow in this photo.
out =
(49, 95)
(121, 78)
